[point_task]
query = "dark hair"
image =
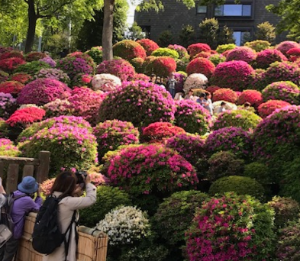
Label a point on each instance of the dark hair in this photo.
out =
(247, 104)
(202, 95)
(223, 103)
(65, 182)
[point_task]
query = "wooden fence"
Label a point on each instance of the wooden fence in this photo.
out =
(38, 168)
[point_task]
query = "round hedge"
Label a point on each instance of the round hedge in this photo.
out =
(25, 116)
(165, 52)
(196, 48)
(234, 74)
(42, 91)
(195, 80)
(267, 108)
(7, 105)
(267, 57)
(217, 58)
(12, 53)
(192, 117)
(162, 66)
(10, 64)
(21, 77)
(138, 102)
(258, 45)
(8, 149)
(89, 60)
(107, 199)
(128, 49)
(137, 63)
(254, 97)
(237, 118)
(285, 46)
(148, 45)
(32, 68)
(238, 184)
(243, 53)
(182, 51)
(225, 94)
(293, 54)
(53, 74)
(34, 56)
(201, 65)
(284, 90)
(3, 76)
(96, 54)
(258, 171)
(225, 47)
(175, 214)
(11, 87)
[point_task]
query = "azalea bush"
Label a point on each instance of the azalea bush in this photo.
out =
(3, 76)
(148, 45)
(233, 228)
(49, 60)
(162, 66)
(242, 53)
(106, 82)
(10, 64)
(182, 51)
(21, 77)
(258, 171)
(267, 57)
(32, 68)
(4, 129)
(53, 74)
(8, 149)
(201, 65)
(12, 53)
(258, 45)
(195, 80)
(119, 67)
(165, 52)
(211, 89)
(128, 49)
(112, 134)
(152, 103)
(217, 58)
(225, 47)
(293, 54)
(225, 94)
(137, 63)
(196, 48)
(267, 108)
(7, 104)
(82, 80)
(96, 54)
(254, 97)
(34, 56)
(25, 116)
(158, 132)
(89, 60)
(285, 46)
(11, 87)
(284, 90)
(57, 108)
(192, 117)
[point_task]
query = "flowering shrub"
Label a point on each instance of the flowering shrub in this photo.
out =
(112, 134)
(48, 60)
(119, 67)
(175, 214)
(192, 117)
(96, 54)
(233, 228)
(162, 66)
(106, 82)
(10, 64)
(285, 91)
(89, 60)
(11, 87)
(165, 52)
(258, 45)
(137, 63)
(25, 116)
(233, 139)
(212, 89)
(140, 77)
(225, 47)
(42, 91)
(62, 139)
(196, 48)
(152, 103)
(267, 108)
(8, 149)
(182, 51)
(243, 53)
(81, 80)
(3, 76)
(73, 65)
(148, 45)
(195, 80)
(225, 94)
(201, 65)
(234, 74)
(57, 108)
(293, 54)
(286, 209)
(128, 49)
(53, 74)
(267, 57)
(237, 118)
(3, 129)
(125, 225)
(202, 55)
(12, 53)
(7, 104)
(252, 96)
(21, 77)
(34, 56)
(217, 58)
(222, 164)
(285, 46)
(158, 132)
(32, 68)
(108, 198)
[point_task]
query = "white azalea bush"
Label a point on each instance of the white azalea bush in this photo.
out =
(125, 225)
(105, 82)
(195, 81)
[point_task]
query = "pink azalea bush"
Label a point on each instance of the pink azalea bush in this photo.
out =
(85, 56)
(267, 108)
(42, 91)
(148, 45)
(232, 228)
(201, 65)
(53, 74)
(8, 149)
(192, 117)
(152, 103)
(285, 46)
(242, 53)
(112, 134)
(106, 82)
(49, 60)
(267, 57)
(128, 49)
(182, 51)
(293, 54)
(225, 94)
(252, 96)
(23, 117)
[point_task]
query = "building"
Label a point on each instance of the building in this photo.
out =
(242, 18)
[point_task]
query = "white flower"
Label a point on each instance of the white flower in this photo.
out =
(105, 82)
(195, 80)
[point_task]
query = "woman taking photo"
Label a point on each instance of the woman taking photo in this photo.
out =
(69, 189)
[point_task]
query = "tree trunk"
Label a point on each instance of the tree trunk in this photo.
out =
(32, 18)
(107, 34)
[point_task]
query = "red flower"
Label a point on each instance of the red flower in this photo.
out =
(26, 116)
(10, 64)
(252, 96)
(163, 66)
(267, 108)
(224, 94)
(285, 46)
(21, 77)
(201, 65)
(194, 49)
(212, 89)
(148, 45)
(15, 54)
(12, 87)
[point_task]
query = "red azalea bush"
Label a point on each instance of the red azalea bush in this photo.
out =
(196, 48)
(201, 65)
(234, 74)
(35, 56)
(233, 228)
(21, 77)
(10, 64)
(158, 132)
(15, 54)
(225, 94)
(42, 91)
(3, 76)
(252, 96)
(267, 108)
(162, 66)
(148, 45)
(119, 67)
(26, 116)
(285, 46)
(293, 54)
(267, 57)
(11, 87)
(212, 89)
(243, 53)
(202, 54)
(128, 49)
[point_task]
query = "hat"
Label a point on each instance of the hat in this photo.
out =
(28, 185)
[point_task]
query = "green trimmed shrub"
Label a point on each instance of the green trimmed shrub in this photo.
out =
(258, 45)
(225, 47)
(258, 171)
(32, 68)
(165, 52)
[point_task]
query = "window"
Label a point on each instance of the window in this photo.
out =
(241, 37)
(233, 10)
(201, 9)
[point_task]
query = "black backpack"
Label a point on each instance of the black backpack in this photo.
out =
(47, 234)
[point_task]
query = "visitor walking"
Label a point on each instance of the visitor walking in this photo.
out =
(171, 84)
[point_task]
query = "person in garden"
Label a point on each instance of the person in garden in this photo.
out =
(202, 101)
(190, 95)
(222, 107)
(158, 81)
(171, 83)
(69, 188)
(178, 96)
(22, 205)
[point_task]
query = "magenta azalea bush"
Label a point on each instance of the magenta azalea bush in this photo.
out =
(42, 91)
(138, 102)
(53, 74)
(233, 139)
(242, 53)
(285, 46)
(192, 117)
(7, 148)
(49, 60)
(267, 57)
(112, 134)
(232, 228)
(285, 91)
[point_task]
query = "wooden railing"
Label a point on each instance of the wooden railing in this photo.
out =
(38, 168)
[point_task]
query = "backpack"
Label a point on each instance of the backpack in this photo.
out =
(47, 234)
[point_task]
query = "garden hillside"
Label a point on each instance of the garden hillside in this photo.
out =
(176, 179)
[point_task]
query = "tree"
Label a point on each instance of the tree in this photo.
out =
(265, 31)
(134, 33)
(187, 35)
